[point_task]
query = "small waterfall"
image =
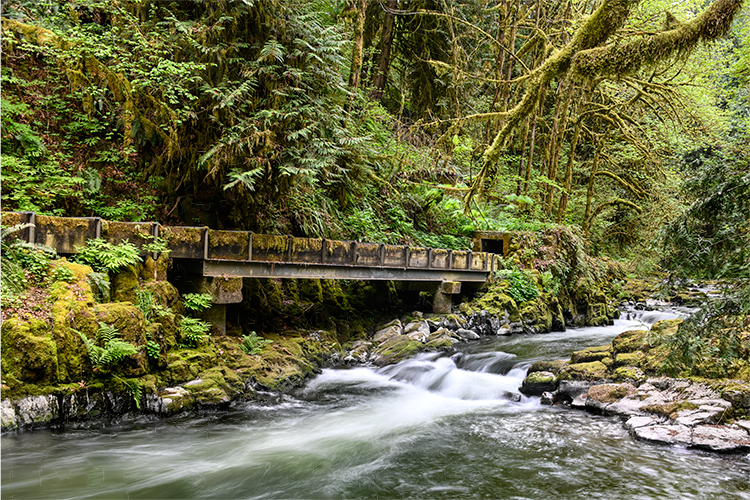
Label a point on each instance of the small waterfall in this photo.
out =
(484, 376)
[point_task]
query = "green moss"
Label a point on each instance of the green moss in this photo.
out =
(547, 366)
(538, 314)
(665, 328)
(670, 409)
(397, 348)
(609, 393)
(496, 302)
(591, 354)
(629, 374)
(630, 341)
(29, 352)
(124, 284)
(629, 358)
(595, 370)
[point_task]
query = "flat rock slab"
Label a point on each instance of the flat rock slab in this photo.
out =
(721, 438)
(668, 434)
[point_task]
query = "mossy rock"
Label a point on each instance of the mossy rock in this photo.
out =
(591, 354)
(129, 322)
(395, 349)
(630, 374)
(665, 327)
(215, 386)
(125, 284)
(547, 366)
(655, 359)
(29, 351)
(609, 393)
(632, 340)
(537, 314)
(629, 359)
(595, 370)
(537, 383)
(185, 364)
(496, 302)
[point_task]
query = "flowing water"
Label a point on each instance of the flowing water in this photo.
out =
(431, 427)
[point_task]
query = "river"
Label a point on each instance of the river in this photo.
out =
(430, 427)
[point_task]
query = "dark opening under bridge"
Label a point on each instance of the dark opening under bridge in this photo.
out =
(214, 253)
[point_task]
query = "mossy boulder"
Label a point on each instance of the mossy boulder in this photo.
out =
(631, 374)
(595, 370)
(631, 340)
(665, 328)
(537, 314)
(495, 302)
(591, 354)
(395, 349)
(215, 386)
(537, 383)
(547, 366)
(186, 364)
(609, 393)
(629, 359)
(29, 351)
(125, 284)
(129, 322)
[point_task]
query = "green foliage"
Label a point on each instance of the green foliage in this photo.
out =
(193, 332)
(713, 342)
(522, 286)
(100, 286)
(111, 351)
(146, 302)
(197, 302)
(62, 273)
(153, 349)
(253, 344)
(104, 256)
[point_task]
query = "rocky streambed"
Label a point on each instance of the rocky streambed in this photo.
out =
(621, 379)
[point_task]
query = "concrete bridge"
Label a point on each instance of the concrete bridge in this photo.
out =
(206, 254)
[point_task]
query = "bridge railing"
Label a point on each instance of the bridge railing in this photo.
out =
(66, 234)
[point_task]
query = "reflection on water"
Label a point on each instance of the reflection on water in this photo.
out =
(431, 427)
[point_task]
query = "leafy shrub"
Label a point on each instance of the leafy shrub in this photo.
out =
(193, 332)
(62, 273)
(153, 349)
(100, 286)
(252, 344)
(522, 286)
(105, 256)
(149, 307)
(197, 302)
(114, 350)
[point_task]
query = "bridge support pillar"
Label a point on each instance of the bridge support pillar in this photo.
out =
(224, 291)
(442, 302)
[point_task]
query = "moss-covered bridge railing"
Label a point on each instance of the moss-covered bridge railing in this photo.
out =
(243, 254)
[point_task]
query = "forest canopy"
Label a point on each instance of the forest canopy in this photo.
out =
(391, 120)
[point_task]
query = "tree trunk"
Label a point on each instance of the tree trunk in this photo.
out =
(590, 189)
(359, 31)
(384, 58)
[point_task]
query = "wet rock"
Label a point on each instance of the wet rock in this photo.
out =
(467, 334)
(630, 374)
(8, 419)
(547, 366)
(668, 434)
(387, 331)
(547, 398)
(395, 349)
(170, 400)
(35, 410)
(591, 354)
(358, 353)
(721, 438)
(703, 415)
(538, 383)
(595, 370)
(573, 392)
(418, 330)
(636, 422)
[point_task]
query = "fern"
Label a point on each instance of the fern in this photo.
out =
(114, 350)
(100, 286)
(105, 256)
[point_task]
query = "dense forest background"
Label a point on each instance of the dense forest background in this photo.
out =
(414, 121)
